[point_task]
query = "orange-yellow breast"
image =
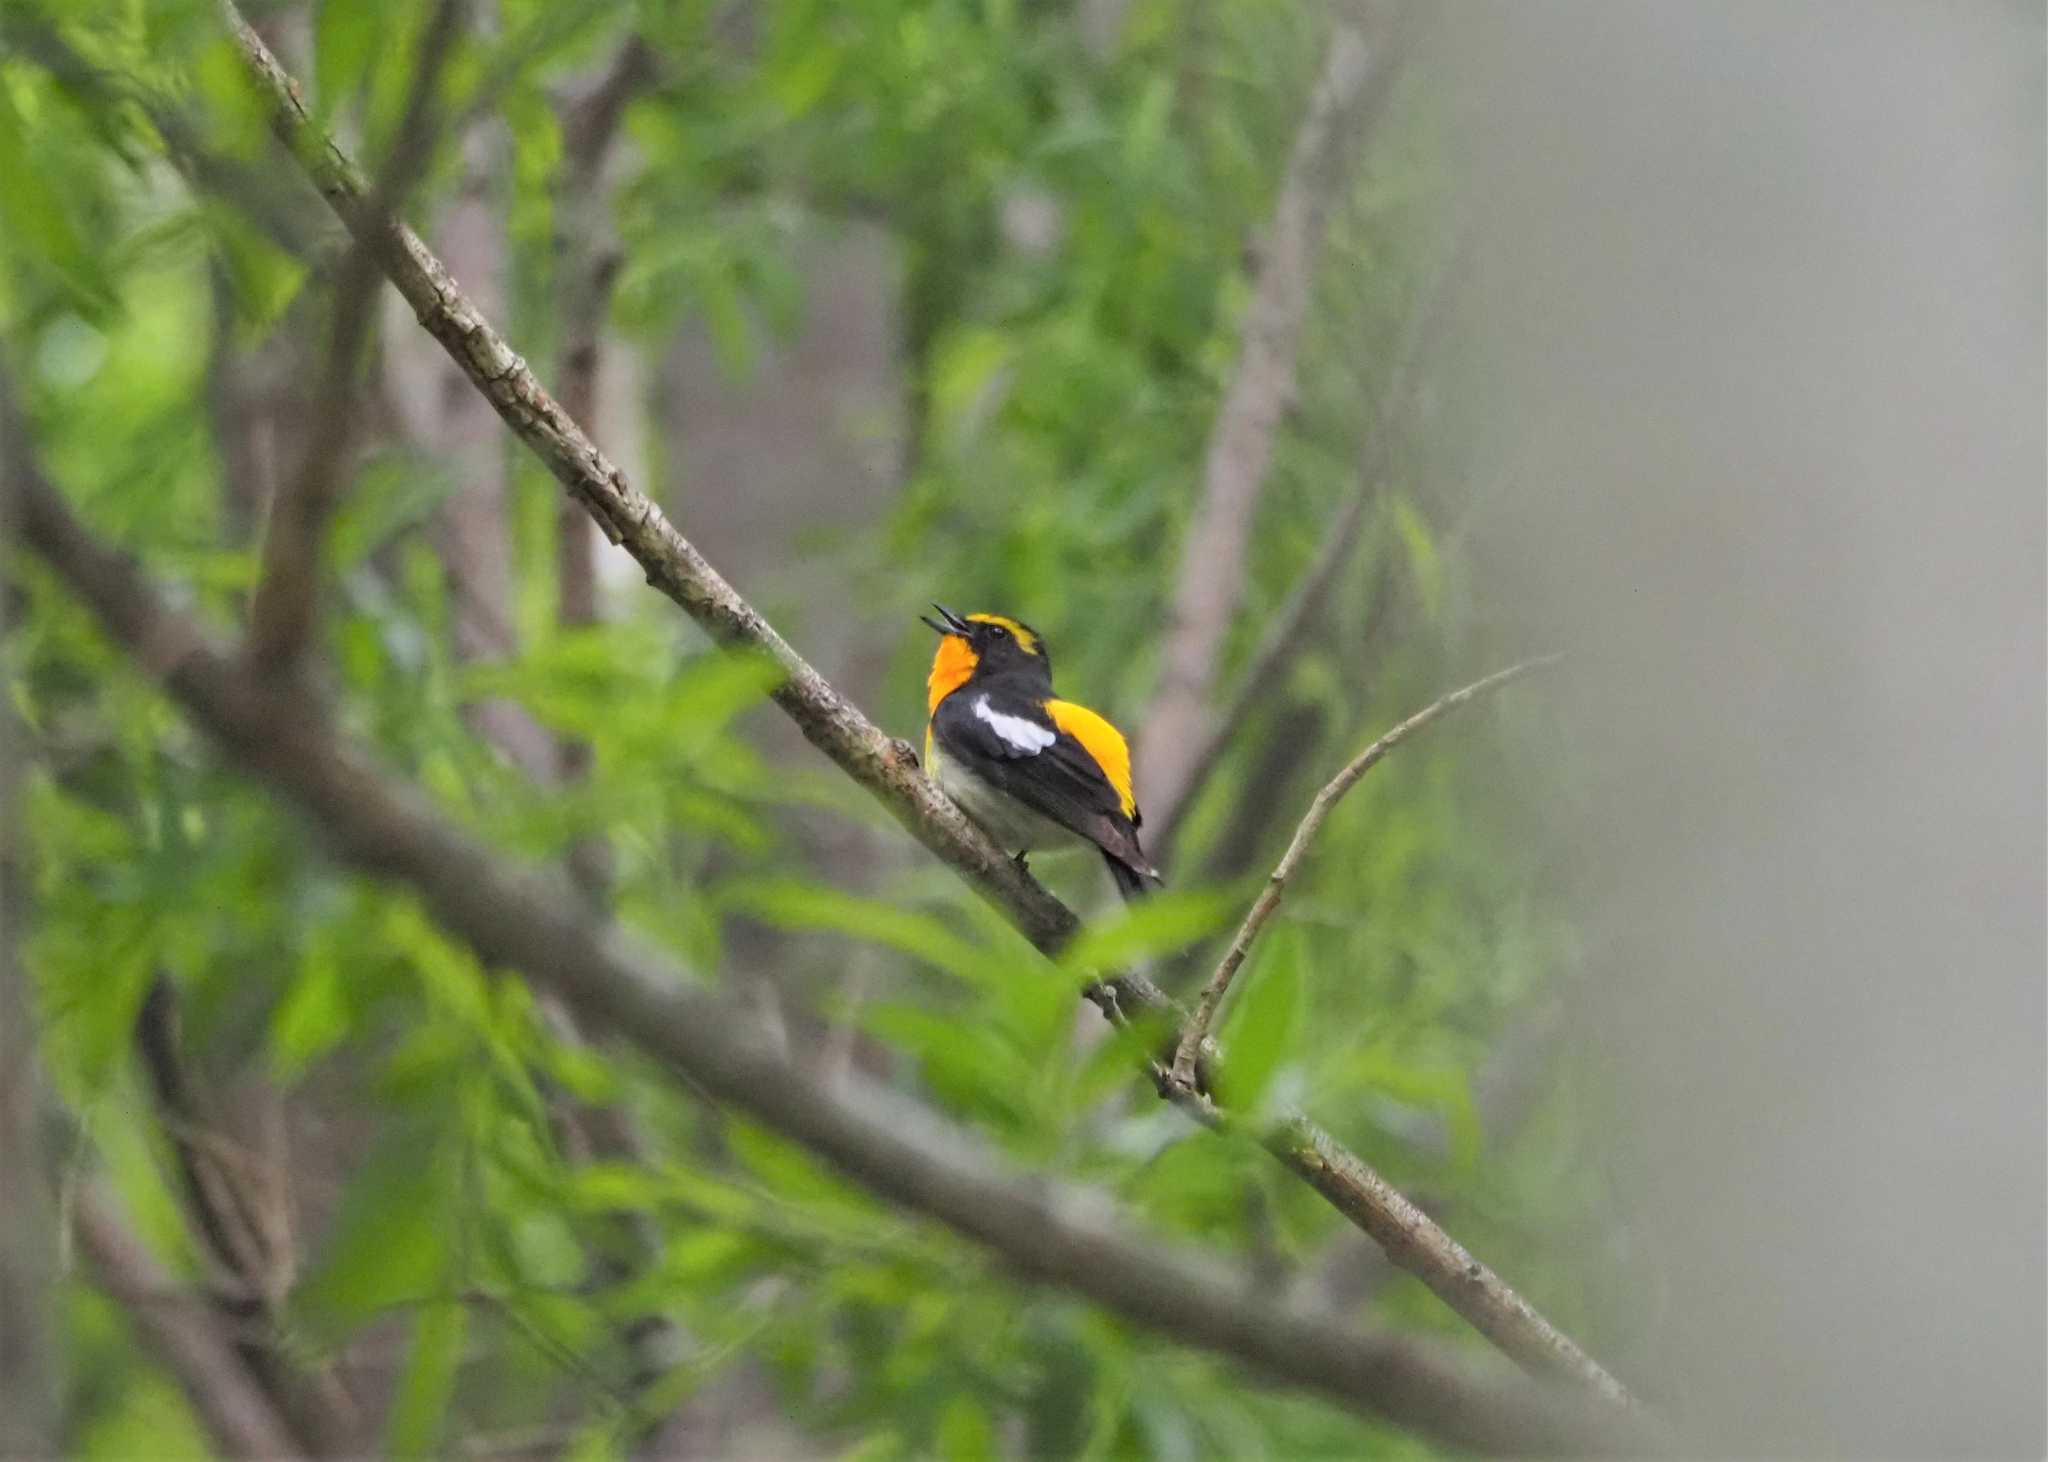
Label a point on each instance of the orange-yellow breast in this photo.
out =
(951, 667)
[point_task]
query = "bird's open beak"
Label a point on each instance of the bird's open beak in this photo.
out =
(952, 624)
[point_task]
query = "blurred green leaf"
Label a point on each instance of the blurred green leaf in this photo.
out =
(389, 495)
(1160, 924)
(40, 220)
(347, 36)
(965, 1431)
(314, 1016)
(792, 904)
(1423, 560)
(393, 1241)
(787, 1170)
(966, 1063)
(427, 1384)
(1265, 1021)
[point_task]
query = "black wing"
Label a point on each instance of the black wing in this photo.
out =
(985, 725)
(1012, 744)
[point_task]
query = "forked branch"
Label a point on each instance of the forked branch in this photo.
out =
(1196, 1031)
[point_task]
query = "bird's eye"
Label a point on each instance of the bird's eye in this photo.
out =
(997, 632)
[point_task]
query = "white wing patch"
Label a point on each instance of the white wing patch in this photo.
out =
(1027, 738)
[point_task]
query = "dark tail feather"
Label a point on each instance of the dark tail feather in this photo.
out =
(1131, 882)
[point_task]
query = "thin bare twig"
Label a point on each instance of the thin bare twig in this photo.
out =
(527, 921)
(285, 605)
(1356, 78)
(184, 1337)
(887, 767)
(1196, 1031)
(1410, 1238)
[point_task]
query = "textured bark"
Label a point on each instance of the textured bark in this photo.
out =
(531, 922)
(1414, 1242)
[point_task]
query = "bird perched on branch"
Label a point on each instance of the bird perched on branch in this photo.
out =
(1035, 771)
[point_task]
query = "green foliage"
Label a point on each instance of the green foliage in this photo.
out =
(1059, 391)
(1266, 1023)
(1165, 923)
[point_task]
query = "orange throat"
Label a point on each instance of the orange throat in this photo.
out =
(951, 668)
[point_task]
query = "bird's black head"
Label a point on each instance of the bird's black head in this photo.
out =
(978, 646)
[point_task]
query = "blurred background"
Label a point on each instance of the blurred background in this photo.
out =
(1285, 366)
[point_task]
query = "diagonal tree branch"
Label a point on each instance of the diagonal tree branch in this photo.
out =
(520, 919)
(885, 766)
(1411, 1239)
(185, 1337)
(1357, 76)
(1196, 1031)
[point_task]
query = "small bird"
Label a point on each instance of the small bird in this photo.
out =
(1035, 771)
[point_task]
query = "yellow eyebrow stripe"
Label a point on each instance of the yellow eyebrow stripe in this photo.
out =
(1103, 742)
(1024, 636)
